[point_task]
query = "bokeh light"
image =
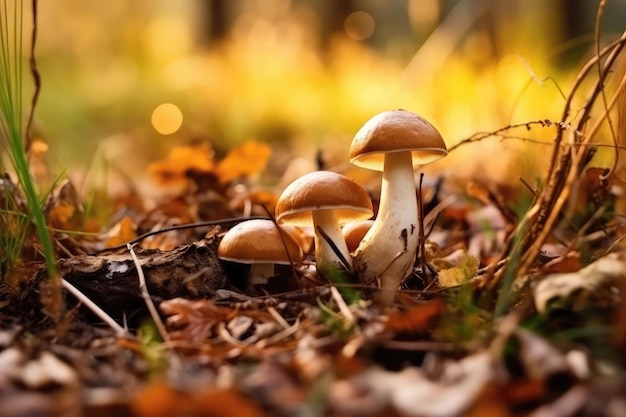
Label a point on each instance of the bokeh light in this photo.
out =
(167, 118)
(359, 26)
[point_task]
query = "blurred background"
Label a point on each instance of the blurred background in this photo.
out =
(124, 81)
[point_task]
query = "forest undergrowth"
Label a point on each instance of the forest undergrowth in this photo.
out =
(512, 305)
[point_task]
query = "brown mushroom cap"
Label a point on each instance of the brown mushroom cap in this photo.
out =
(323, 190)
(354, 233)
(258, 241)
(396, 131)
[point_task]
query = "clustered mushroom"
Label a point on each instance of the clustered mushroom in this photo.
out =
(261, 244)
(382, 250)
(325, 200)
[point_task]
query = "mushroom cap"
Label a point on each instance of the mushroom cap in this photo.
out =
(396, 131)
(257, 241)
(323, 190)
(354, 233)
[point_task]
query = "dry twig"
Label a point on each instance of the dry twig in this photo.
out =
(146, 297)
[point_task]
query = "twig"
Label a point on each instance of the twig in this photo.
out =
(277, 337)
(181, 227)
(335, 249)
(279, 319)
(121, 332)
(294, 274)
(146, 297)
(341, 304)
(596, 35)
(566, 163)
(421, 235)
(36, 77)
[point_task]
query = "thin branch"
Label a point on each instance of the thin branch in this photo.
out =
(36, 78)
(335, 249)
(146, 297)
(180, 227)
(121, 332)
(598, 25)
(342, 306)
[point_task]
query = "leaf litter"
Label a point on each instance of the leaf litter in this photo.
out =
(525, 316)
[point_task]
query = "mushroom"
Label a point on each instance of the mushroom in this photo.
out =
(354, 232)
(258, 243)
(393, 142)
(325, 200)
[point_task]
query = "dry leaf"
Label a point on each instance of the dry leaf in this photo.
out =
(193, 320)
(244, 161)
(38, 164)
(540, 359)
(124, 231)
(181, 160)
(460, 274)
(64, 209)
(157, 399)
(416, 395)
(418, 320)
(580, 288)
(222, 403)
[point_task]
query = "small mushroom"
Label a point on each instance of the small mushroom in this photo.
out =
(354, 232)
(393, 142)
(325, 200)
(258, 243)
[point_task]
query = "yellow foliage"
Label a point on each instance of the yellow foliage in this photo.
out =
(460, 274)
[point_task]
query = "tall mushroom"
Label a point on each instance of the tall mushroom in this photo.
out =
(259, 243)
(325, 200)
(393, 142)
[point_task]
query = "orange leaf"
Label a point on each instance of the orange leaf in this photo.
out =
(64, 209)
(158, 400)
(246, 160)
(182, 159)
(223, 403)
(122, 232)
(417, 320)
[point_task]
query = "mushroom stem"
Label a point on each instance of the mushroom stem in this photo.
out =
(327, 260)
(387, 252)
(259, 273)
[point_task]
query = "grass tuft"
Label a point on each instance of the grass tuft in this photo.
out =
(13, 136)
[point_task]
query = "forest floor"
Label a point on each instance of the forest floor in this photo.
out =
(515, 304)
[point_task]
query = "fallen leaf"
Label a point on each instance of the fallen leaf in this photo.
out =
(227, 402)
(580, 288)
(122, 232)
(64, 209)
(460, 274)
(193, 320)
(417, 320)
(414, 394)
(158, 399)
(246, 160)
(540, 359)
(180, 160)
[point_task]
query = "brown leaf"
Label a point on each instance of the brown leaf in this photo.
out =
(193, 320)
(417, 320)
